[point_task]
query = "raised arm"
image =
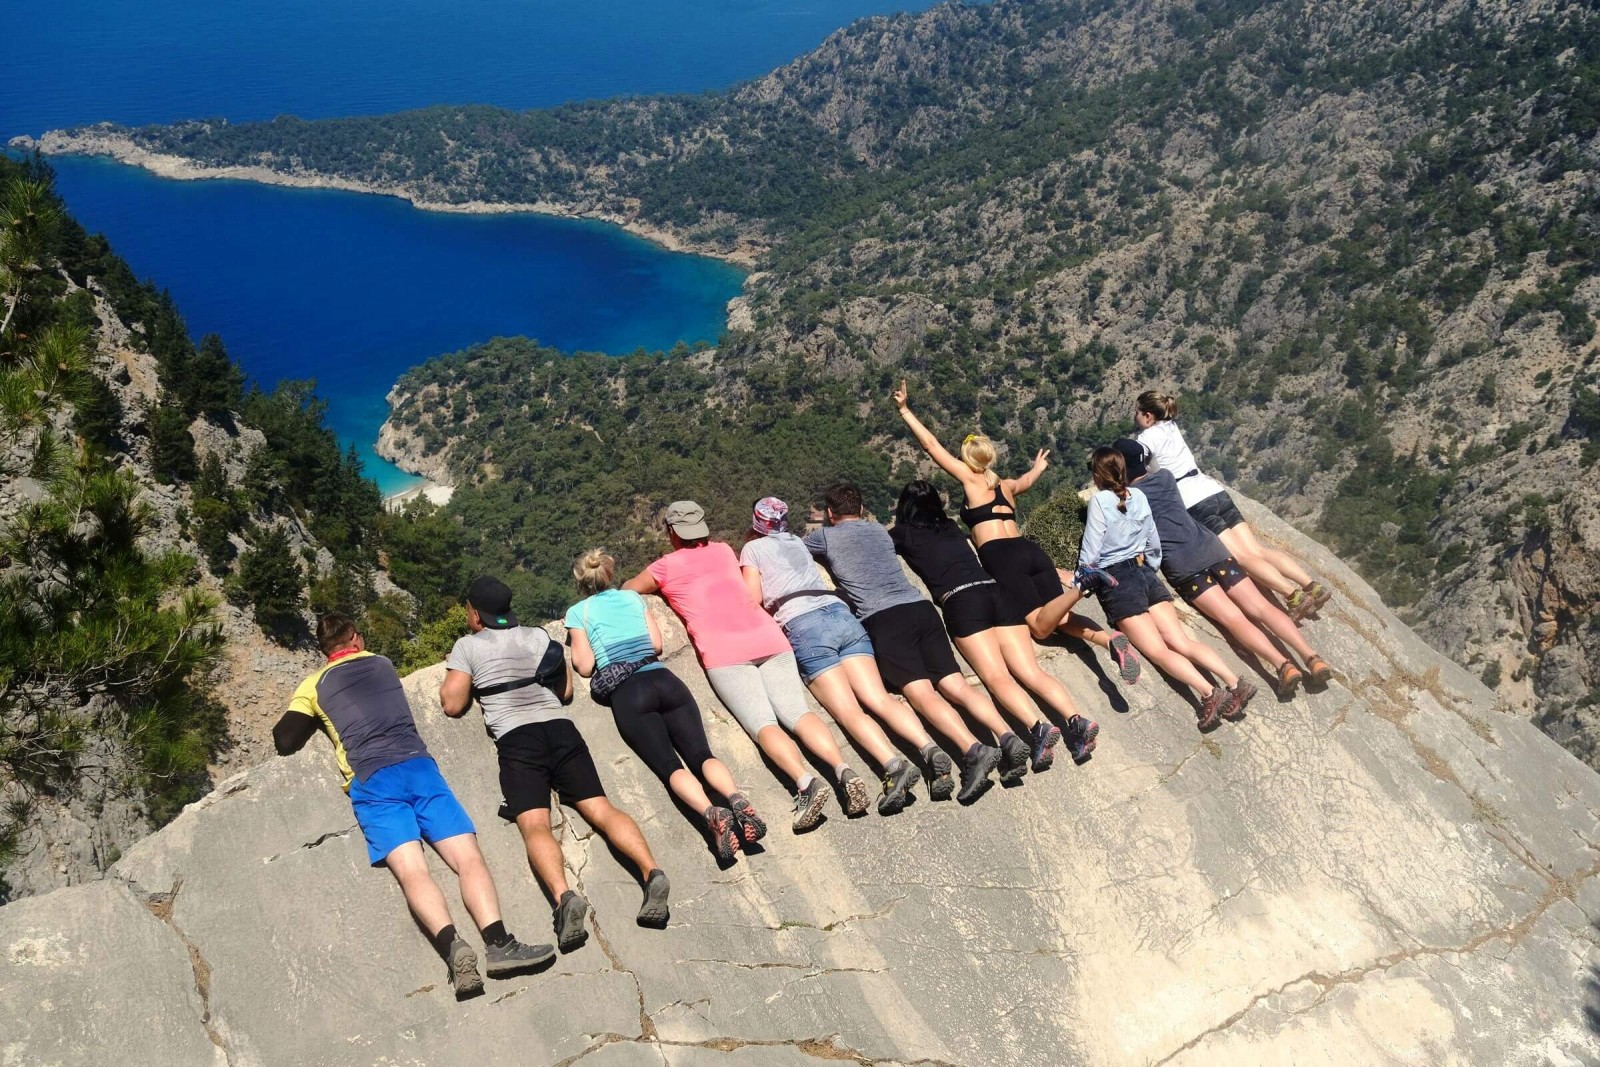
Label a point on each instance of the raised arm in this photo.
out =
(1024, 483)
(930, 444)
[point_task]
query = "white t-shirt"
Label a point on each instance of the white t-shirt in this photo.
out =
(1171, 453)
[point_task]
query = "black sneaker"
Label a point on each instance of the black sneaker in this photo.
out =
(1080, 736)
(940, 785)
(653, 912)
(724, 833)
(568, 921)
(808, 805)
(1043, 737)
(897, 794)
(975, 781)
(856, 795)
(750, 826)
(1013, 759)
(464, 976)
(514, 957)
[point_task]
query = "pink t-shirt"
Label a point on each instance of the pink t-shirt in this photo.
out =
(704, 586)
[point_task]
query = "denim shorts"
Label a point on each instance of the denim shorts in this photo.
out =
(825, 637)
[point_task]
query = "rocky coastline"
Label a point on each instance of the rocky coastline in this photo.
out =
(110, 141)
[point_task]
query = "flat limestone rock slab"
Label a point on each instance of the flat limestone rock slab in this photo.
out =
(1392, 870)
(90, 975)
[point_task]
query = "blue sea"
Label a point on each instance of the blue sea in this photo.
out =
(350, 289)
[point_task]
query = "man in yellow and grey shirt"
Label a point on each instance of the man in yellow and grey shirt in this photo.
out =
(400, 800)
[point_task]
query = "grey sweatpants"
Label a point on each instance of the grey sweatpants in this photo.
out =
(766, 692)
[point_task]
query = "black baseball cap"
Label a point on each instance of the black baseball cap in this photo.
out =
(1135, 455)
(491, 598)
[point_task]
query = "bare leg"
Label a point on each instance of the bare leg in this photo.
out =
(982, 650)
(937, 713)
(976, 702)
(718, 777)
(833, 691)
(687, 788)
(867, 684)
(1177, 639)
(460, 853)
(619, 830)
(1217, 606)
(1146, 637)
(410, 868)
(1257, 566)
(1282, 560)
(1023, 664)
(1045, 620)
(544, 852)
(781, 750)
(818, 739)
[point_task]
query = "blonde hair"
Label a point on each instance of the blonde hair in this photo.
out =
(977, 452)
(1159, 406)
(593, 571)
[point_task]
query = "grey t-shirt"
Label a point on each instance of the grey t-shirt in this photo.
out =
(861, 557)
(786, 567)
(1186, 546)
(494, 657)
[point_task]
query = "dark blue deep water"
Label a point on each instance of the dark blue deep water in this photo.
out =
(348, 289)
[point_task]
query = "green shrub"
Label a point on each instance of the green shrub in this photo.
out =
(1057, 525)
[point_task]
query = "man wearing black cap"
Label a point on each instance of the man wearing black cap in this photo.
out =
(520, 678)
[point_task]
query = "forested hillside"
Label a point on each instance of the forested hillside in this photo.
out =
(1358, 239)
(164, 533)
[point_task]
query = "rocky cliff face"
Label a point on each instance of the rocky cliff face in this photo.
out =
(1393, 870)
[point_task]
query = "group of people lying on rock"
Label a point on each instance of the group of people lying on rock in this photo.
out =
(767, 628)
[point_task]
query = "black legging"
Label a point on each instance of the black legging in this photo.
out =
(658, 717)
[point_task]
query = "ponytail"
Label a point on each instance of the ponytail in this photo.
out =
(1110, 471)
(1158, 406)
(977, 452)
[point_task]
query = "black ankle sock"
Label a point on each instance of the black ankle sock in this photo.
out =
(927, 751)
(444, 939)
(973, 751)
(1008, 733)
(495, 933)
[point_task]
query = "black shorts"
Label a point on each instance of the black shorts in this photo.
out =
(1217, 513)
(910, 645)
(540, 756)
(978, 608)
(1138, 587)
(1027, 577)
(1226, 574)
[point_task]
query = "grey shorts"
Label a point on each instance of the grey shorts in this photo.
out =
(765, 693)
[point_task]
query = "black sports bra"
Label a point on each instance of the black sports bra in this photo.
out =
(972, 516)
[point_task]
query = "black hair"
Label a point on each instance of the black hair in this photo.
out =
(844, 499)
(920, 505)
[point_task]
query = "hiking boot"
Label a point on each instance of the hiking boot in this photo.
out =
(724, 833)
(897, 794)
(746, 823)
(1090, 580)
(1300, 604)
(464, 976)
(653, 911)
(1210, 708)
(514, 957)
(568, 921)
(1238, 697)
(1289, 678)
(856, 796)
(981, 762)
(940, 785)
(1320, 595)
(1320, 672)
(808, 805)
(1080, 737)
(1042, 737)
(1014, 756)
(1126, 655)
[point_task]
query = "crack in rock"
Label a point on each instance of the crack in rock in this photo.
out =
(331, 835)
(161, 905)
(1512, 934)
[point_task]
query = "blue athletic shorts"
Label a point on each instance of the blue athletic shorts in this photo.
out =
(407, 801)
(823, 638)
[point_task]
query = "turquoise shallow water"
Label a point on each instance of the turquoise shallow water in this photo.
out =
(348, 289)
